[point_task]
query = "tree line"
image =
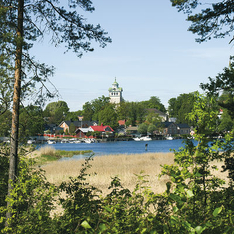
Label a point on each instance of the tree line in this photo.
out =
(33, 119)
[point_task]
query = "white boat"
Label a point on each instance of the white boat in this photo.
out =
(51, 142)
(77, 141)
(74, 140)
(137, 139)
(89, 141)
(169, 138)
(31, 142)
(146, 138)
(64, 141)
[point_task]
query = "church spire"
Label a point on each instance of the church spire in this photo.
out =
(115, 93)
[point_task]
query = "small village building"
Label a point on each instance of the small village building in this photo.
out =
(171, 128)
(81, 132)
(103, 129)
(65, 125)
(122, 122)
(183, 129)
(115, 93)
(52, 128)
(132, 130)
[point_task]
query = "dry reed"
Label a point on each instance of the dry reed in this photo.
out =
(47, 150)
(126, 167)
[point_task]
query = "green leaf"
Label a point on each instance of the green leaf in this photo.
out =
(190, 193)
(102, 226)
(175, 197)
(199, 229)
(174, 218)
(108, 209)
(175, 209)
(85, 225)
(217, 211)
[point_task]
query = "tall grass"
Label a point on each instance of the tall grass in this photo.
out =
(46, 150)
(126, 167)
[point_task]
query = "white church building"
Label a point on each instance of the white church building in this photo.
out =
(115, 93)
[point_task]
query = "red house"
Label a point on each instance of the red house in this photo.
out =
(81, 132)
(102, 128)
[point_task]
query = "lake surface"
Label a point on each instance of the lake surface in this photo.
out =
(123, 147)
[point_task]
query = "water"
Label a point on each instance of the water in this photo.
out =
(122, 147)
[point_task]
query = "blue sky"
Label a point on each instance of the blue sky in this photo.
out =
(151, 54)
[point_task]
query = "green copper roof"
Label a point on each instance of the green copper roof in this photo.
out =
(115, 82)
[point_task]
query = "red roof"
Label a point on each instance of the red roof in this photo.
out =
(102, 128)
(121, 122)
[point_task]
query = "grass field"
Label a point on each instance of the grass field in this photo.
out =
(126, 167)
(104, 168)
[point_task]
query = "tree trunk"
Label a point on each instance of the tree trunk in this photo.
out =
(16, 103)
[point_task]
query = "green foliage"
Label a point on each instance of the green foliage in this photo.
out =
(31, 203)
(5, 123)
(96, 134)
(4, 162)
(91, 109)
(204, 114)
(52, 107)
(31, 122)
(154, 102)
(143, 128)
(55, 112)
(209, 20)
(100, 109)
(108, 116)
(81, 205)
(151, 128)
(73, 115)
(196, 196)
(226, 123)
(223, 83)
(153, 118)
(179, 107)
(72, 129)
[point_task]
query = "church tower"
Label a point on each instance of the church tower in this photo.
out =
(115, 93)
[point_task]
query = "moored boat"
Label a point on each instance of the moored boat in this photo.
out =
(169, 138)
(146, 138)
(50, 142)
(136, 139)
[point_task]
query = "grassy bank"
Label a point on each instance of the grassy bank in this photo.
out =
(49, 154)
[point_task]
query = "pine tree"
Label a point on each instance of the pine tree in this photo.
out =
(23, 22)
